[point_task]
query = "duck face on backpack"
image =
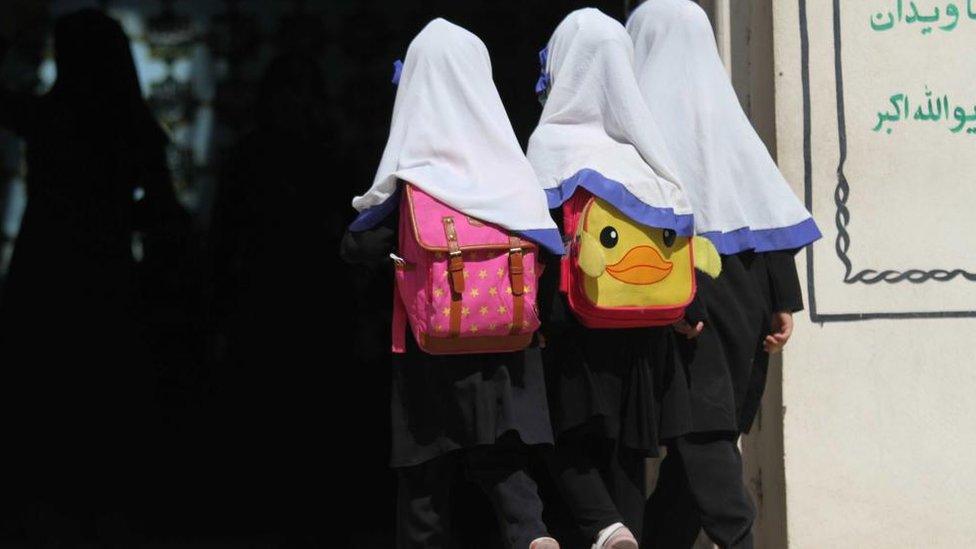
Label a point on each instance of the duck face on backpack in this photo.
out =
(623, 274)
(631, 265)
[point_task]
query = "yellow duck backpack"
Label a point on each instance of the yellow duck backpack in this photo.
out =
(620, 274)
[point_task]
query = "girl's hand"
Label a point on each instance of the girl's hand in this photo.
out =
(782, 329)
(689, 331)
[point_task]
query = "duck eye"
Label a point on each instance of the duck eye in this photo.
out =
(669, 237)
(609, 237)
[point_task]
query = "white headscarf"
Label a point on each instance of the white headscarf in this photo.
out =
(596, 132)
(740, 198)
(451, 137)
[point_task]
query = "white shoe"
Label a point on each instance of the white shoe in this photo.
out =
(544, 543)
(615, 536)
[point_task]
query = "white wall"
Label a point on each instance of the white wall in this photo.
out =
(879, 416)
(879, 434)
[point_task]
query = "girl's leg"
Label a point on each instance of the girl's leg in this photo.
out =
(714, 468)
(423, 503)
(625, 478)
(574, 465)
(713, 471)
(500, 470)
(671, 518)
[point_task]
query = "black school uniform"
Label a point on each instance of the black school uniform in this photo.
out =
(604, 387)
(476, 413)
(715, 393)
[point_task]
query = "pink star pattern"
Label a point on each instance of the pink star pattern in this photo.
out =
(482, 294)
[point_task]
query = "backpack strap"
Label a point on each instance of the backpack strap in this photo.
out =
(455, 273)
(564, 263)
(400, 320)
(399, 335)
(515, 272)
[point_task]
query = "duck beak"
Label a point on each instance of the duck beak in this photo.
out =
(641, 265)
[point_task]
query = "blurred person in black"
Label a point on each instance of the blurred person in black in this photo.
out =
(75, 384)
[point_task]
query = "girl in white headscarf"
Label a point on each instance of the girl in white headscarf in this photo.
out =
(450, 136)
(742, 203)
(596, 133)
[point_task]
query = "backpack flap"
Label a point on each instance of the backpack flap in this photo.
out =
(429, 217)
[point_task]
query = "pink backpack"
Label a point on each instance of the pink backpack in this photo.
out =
(465, 286)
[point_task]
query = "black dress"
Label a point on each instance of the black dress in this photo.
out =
(604, 382)
(444, 403)
(720, 375)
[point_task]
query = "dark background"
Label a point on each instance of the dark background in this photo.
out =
(269, 361)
